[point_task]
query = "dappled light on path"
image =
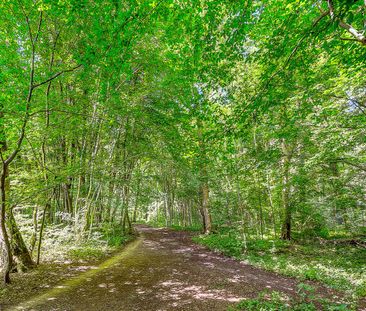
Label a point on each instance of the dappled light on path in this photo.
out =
(162, 270)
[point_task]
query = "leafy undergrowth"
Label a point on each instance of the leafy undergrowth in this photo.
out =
(193, 228)
(339, 265)
(275, 301)
(64, 255)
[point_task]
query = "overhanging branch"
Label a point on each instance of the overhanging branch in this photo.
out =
(55, 76)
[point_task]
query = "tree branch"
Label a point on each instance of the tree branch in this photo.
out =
(358, 36)
(346, 161)
(55, 76)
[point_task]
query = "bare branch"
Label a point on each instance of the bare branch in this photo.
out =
(55, 76)
(354, 32)
(39, 26)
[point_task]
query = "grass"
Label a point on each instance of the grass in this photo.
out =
(85, 253)
(90, 251)
(275, 301)
(192, 228)
(341, 266)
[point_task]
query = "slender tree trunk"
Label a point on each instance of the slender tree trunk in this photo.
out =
(242, 214)
(137, 197)
(261, 221)
(272, 206)
(94, 209)
(128, 166)
(47, 206)
(287, 213)
(35, 229)
(126, 222)
(204, 188)
(7, 253)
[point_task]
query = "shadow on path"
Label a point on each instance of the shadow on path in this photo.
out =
(162, 270)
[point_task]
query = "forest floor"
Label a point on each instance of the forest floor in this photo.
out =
(164, 270)
(338, 262)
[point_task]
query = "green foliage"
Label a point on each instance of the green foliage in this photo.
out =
(227, 243)
(114, 236)
(338, 265)
(121, 112)
(85, 253)
(268, 245)
(311, 274)
(271, 301)
(193, 228)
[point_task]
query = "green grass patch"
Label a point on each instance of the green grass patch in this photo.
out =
(87, 253)
(110, 238)
(341, 266)
(227, 244)
(118, 240)
(306, 301)
(193, 228)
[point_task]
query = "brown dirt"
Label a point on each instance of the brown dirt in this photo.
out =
(165, 270)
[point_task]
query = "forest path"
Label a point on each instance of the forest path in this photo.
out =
(162, 270)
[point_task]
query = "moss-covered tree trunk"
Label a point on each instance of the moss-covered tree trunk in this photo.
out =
(19, 249)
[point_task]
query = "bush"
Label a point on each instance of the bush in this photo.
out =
(112, 233)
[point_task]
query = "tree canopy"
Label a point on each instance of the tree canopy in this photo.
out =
(249, 114)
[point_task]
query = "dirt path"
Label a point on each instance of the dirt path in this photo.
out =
(162, 270)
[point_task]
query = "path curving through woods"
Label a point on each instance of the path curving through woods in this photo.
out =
(163, 270)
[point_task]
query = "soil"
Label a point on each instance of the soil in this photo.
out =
(164, 270)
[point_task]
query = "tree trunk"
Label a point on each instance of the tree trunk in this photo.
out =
(206, 217)
(204, 191)
(7, 253)
(47, 206)
(35, 229)
(273, 215)
(18, 248)
(137, 197)
(126, 217)
(20, 251)
(287, 213)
